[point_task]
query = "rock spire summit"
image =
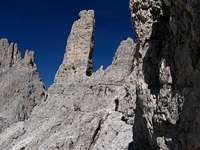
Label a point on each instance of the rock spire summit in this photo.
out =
(77, 60)
(9, 54)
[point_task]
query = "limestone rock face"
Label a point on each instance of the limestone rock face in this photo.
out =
(77, 59)
(93, 112)
(167, 42)
(122, 64)
(29, 59)
(88, 112)
(21, 88)
(9, 54)
(147, 99)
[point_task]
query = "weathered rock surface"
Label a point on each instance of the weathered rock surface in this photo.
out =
(147, 99)
(77, 59)
(9, 54)
(169, 102)
(21, 88)
(83, 110)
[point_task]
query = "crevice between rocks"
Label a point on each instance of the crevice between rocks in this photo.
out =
(96, 134)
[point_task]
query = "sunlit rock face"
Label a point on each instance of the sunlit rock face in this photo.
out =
(77, 59)
(147, 99)
(83, 110)
(9, 54)
(21, 88)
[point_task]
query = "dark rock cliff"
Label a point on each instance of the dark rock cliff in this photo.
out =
(168, 36)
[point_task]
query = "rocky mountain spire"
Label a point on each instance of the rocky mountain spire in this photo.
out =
(124, 55)
(29, 58)
(9, 54)
(148, 99)
(77, 60)
(122, 63)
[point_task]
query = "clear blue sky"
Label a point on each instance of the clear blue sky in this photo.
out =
(43, 26)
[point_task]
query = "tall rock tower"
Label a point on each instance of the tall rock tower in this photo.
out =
(77, 60)
(9, 54)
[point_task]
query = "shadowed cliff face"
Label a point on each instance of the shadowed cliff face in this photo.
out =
(147, 99)
(167, 34)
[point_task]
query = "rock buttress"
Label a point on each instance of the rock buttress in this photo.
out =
(167, 34)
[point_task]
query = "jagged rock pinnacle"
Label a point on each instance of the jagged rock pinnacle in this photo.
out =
(148, 99)
(9, 54)
(21, 88)
(29, 58)
(124, 54)
(78, 56)
(122, 63)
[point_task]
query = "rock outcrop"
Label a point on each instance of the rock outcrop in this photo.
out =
(147, 99)
(21, 88)
(77, 59)
(81, 111)
(167, 42)
(122, 64)
(9, 54)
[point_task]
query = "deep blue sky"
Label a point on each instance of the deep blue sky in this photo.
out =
(43, 26)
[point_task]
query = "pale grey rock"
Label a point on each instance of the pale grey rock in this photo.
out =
(77, 59)
(29, 58)
(83, 112)
(11, 133)
(21, 88)
(115, 134)
(9, 54)
(122, 63)
(147, 99)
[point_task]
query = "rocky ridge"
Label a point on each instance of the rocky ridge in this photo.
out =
(145, 100)
(21, 88)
